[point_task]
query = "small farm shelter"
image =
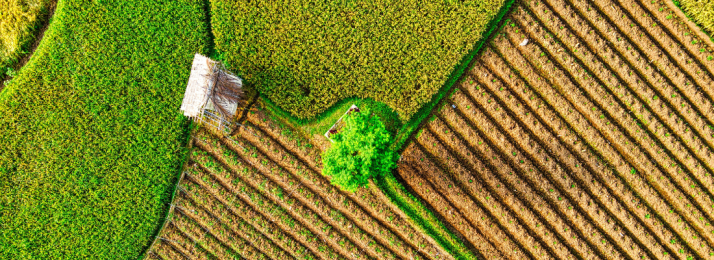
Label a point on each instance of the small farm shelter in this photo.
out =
(213, 94)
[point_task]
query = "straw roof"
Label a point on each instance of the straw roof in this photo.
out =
(196, 94)
(211, 89)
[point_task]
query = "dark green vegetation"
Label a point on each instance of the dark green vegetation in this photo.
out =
(307, 56)
(20, 22)
(92, 139)
(361, 151)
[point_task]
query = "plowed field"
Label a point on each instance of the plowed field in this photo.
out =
(260, 195)
(591, 140)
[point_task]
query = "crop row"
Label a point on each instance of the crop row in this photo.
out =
(595, 130)
(260, 194)
(368, 201)
(609, 119)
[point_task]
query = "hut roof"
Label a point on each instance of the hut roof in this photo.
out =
(211, 87)
(196, 94)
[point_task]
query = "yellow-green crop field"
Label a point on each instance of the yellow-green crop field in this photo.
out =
(701, 11)
(19, 24)
(532, 129)
(92, 139)
(307, 55)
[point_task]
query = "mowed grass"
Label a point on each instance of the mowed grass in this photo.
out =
(19, 23)
(91, 133)
(306, 56)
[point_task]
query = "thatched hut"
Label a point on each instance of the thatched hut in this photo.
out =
(213, 94)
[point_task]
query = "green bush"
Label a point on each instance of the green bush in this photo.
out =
(305, 56)
(91, 136)
(20, 21)
(361, 151)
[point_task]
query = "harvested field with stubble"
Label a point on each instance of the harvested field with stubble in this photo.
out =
(593, 140)
(260, 195)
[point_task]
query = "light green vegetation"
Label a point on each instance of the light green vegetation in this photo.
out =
(305, 56)
(20, 21)
(91, 135)
(361, 151)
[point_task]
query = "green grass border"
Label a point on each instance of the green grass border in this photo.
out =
(427, 221)
(322, 122)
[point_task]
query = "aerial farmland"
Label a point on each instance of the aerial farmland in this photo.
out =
(420, 129)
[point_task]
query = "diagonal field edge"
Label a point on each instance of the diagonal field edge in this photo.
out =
(406, 133)
(699, 29)
(170, 211)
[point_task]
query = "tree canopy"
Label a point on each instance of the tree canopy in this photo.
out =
(361, 150)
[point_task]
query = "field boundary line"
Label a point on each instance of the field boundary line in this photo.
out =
(691, 24)
(683, 16)
(439, 163)
(417, 174)
(433, 161)
(406, 134)
(169, 213)
(381, 196)
(417, 121)
(450, 242)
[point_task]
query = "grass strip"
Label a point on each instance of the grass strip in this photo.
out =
(425, 219)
